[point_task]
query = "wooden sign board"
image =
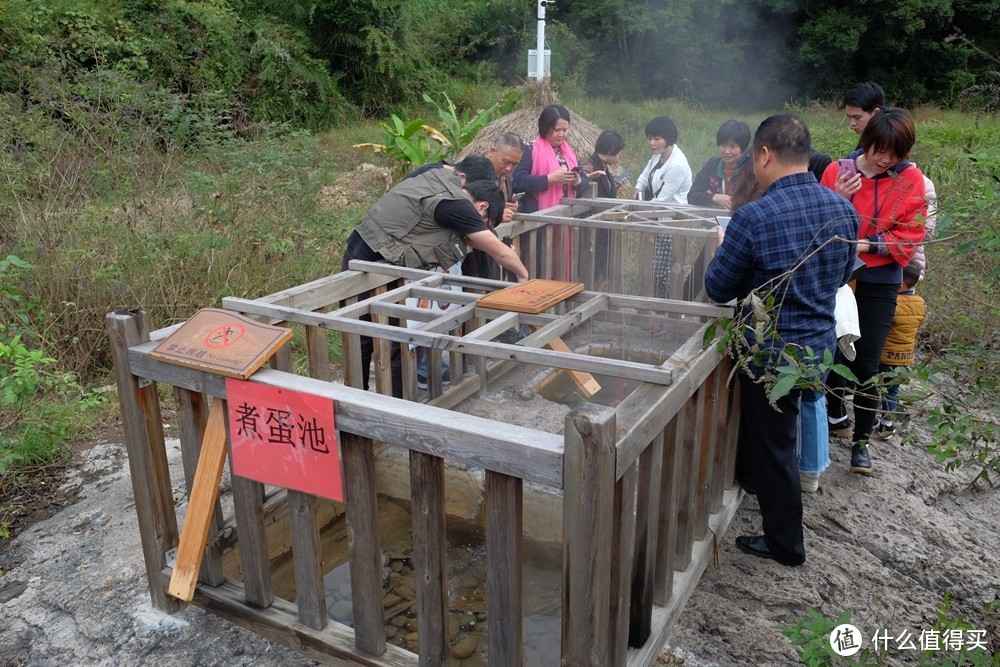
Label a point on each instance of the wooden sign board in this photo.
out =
(532, 296)
(222, 342)
(284, 437)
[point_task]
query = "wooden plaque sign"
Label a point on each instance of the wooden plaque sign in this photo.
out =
(532, 296)
(222, 342)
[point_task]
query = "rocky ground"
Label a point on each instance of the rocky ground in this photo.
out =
(887, 548)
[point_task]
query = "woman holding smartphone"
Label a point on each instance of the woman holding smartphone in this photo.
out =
(548, 171)
(888, 192)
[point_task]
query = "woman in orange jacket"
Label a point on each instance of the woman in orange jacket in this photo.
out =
(888, 193)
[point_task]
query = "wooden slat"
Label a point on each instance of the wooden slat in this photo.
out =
(666, 535)
(430, 557)
(310, 595)
(351, 346)
(383, 364)
(588, 520)
(622, 558)
(616, 262)
(732, 431)
(147, 455)
(678, 262)
(646, 537)
(646, 244)
(318, 349)
(685, 502)
(705, 419)
(505, 567)
(361, 498)
(665, 618)
(326, 291)
(248, 508)
(192, 417)
(586, 244)
(201, 505)
(333, 645)
(718, 485)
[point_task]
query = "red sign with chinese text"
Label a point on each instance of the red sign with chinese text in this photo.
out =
(283, 437)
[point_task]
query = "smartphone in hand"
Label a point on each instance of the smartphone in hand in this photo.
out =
(847, 166)
(620, 178)
(517, 196)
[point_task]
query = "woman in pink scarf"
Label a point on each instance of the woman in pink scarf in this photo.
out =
(549, 170)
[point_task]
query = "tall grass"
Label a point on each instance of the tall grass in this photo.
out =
(171, 231)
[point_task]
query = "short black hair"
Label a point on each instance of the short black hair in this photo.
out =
(892, 130)
(662, 127)
(609, 143)
(733, 131)
(911, 273)
(476, 168)
(787, 137)
(549, 117)
(489, 192)
(867, 96)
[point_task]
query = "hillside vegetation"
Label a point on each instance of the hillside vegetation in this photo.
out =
(164, 154)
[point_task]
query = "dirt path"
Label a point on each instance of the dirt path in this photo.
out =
(887, 548)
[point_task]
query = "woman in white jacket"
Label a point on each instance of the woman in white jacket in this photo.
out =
(666, 178)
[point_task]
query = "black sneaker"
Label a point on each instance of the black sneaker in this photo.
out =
(842, 429)
(861, 463)
(884, 431)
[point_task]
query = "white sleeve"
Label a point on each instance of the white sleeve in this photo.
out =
(642, 182)
(673, 180)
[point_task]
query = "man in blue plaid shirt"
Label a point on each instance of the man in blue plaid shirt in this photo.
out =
(782, 245)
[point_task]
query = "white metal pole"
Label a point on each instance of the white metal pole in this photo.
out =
(540, 72)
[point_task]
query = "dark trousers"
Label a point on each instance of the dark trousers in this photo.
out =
(767, 462)
(358, 249)
(876, 308)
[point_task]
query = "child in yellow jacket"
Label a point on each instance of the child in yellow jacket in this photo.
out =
(911, 309)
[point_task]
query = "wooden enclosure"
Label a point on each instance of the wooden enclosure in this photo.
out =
(646, 483)
(571, 240)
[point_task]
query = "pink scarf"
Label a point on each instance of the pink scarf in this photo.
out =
(544, 162)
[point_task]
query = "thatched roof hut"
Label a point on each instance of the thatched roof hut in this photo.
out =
(524, 121)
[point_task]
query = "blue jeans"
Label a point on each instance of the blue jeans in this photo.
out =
(890, 400)
(814, 434)
(422, 357)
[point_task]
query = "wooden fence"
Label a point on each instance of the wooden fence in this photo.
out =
(646, 486)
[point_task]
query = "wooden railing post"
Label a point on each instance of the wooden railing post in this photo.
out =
(588, 516)
(646, 537)
(147, 455)
(505, 561)
(310, 595)
(361, 498)
(429, 557)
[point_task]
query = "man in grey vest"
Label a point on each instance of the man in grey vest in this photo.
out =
(428, 220)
